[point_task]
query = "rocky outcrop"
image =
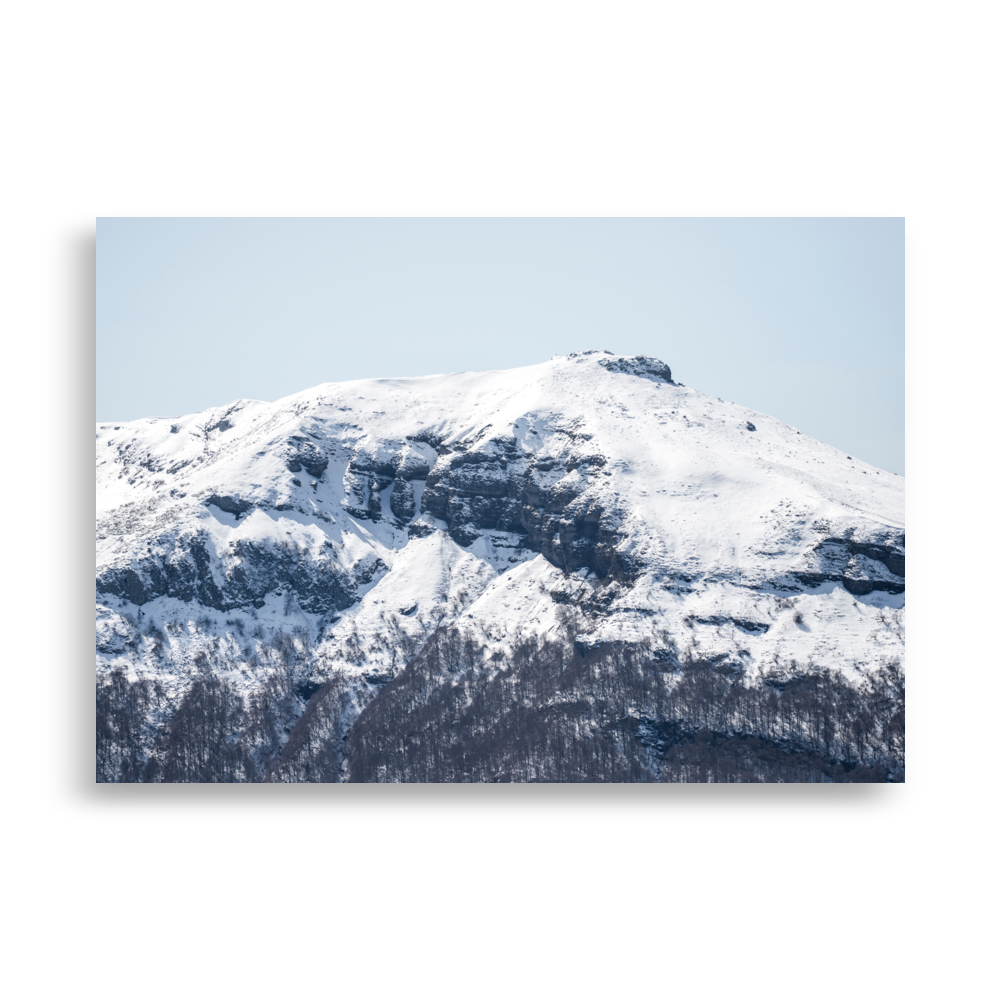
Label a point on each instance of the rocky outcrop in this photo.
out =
(748, 625)
(892, 554)
(402, 500)
(861, 561)
(546, 500)
(300, 453)
(192, 571)
(370, 473)
(640, 365)
(863, 575)
(478, 489)
(229, 504)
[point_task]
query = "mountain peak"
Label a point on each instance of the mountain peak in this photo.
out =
(589, 497)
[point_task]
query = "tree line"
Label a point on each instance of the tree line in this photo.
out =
(541, 711)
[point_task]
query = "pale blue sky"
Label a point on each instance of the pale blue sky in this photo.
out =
(801, 319)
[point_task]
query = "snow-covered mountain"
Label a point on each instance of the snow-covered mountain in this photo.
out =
(588, 502)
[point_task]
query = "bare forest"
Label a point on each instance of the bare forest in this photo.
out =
(543, 712)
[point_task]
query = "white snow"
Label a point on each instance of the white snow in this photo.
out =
(714, 512)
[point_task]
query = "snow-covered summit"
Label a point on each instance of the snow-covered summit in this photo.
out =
(588, 492)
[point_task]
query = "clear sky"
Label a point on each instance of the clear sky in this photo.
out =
(801, 319)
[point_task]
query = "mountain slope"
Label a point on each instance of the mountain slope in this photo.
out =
(588, 503)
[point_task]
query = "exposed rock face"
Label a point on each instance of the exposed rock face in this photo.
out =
(300, 453)
(745, 624)
(192, 571)
(545, 499)
(231, 505)
(862, 562)
(891, 551)
(391, 466)
(402, 500)
(639, 365)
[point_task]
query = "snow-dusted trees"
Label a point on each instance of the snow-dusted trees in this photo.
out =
(543, 711)
(547, 713)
